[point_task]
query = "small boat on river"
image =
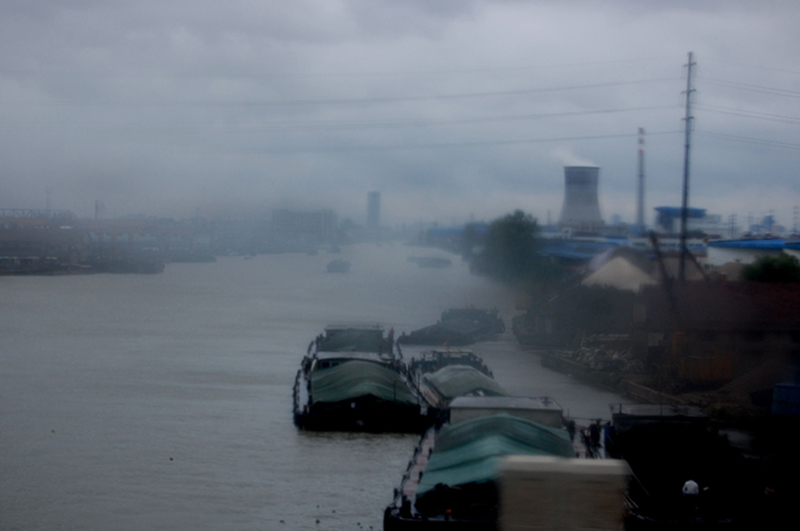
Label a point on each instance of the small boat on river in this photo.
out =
(433, 262)
(338, 266)
(353, 379)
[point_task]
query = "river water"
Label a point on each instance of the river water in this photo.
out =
(131, 402)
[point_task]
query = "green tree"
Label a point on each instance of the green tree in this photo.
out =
(511, 253)
(781, 268)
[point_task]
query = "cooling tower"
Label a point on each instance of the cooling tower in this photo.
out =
(581, 208)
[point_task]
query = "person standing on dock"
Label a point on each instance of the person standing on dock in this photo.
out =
(691, 491)
(594, 434)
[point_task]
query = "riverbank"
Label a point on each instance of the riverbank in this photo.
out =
(742, 398)
(629, 385)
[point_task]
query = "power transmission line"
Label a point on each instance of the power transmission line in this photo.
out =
(463, 121)
(750, 114)
(344, 101)
(352, 74)
(758, 67)
(753, 88)
(332, 126)
(756, 141)
(477, 143)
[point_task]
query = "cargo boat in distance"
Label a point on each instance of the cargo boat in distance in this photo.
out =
(458, 326)
(353, 379)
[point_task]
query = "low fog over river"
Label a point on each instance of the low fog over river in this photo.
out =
(131, 402)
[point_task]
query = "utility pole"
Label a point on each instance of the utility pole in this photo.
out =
(640, 190)
(688, 120)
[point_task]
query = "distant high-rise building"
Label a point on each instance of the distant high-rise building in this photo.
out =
(373, 210)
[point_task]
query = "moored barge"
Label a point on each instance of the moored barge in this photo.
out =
(452, 479)
(353, 379)
(436, 359)
(444, 375)
(458, 326)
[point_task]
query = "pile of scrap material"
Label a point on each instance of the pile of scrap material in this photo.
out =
(604, 359)
(619, 273)
(458, 327)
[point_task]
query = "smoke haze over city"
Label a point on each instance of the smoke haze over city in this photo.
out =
(451, 109)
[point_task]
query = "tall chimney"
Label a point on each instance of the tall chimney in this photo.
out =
(640, 187)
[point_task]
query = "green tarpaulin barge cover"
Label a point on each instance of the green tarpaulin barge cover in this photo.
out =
(471, 451)
(460, 380)
(355, 379)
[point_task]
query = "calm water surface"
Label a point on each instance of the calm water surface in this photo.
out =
(131, 402)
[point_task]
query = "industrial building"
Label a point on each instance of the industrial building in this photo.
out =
(698, 220)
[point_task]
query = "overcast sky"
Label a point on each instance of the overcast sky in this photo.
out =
(450, 108)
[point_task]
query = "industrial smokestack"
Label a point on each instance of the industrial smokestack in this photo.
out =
(581, 210)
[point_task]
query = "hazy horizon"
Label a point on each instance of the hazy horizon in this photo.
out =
(453, 110)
